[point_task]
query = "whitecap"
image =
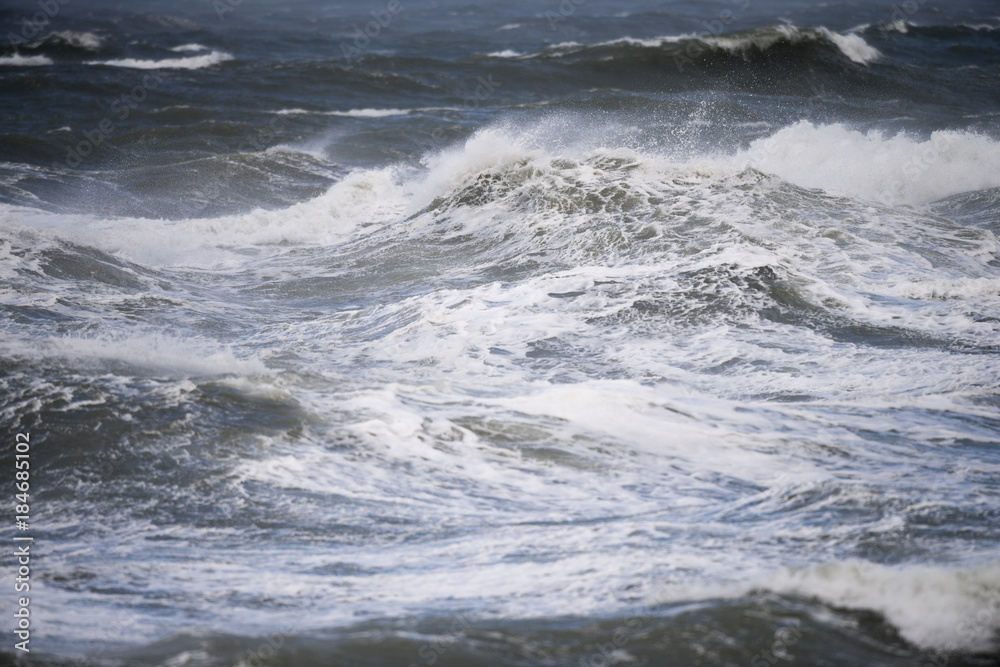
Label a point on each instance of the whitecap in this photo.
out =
(900, 169)
(191, 62)
(17, 60)
(81, 40)
(506, 53)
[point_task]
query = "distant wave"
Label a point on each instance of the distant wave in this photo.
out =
(371, 113)
(506, 53)
(899, 25)
(190, 62)
(851, 45)
(87, 41)
(361, 113)
(17, 60)
(904, 27)
(189, 48)
(930, 604)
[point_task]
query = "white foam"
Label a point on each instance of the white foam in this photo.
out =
(762, 39)
(189, 48)
(867, 166)
(934, 607)
(452, 168)
(17, 60)
(566, 46)
(429, 404)
(653, 42)
(191, 62)
(899, 169)
(853, 46)
(362, 200)
(81, 40)
(506, 53)
(156, 352)
(960, 288)
(371, 113)
(362, 113)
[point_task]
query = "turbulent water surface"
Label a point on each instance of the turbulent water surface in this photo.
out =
(508, 333)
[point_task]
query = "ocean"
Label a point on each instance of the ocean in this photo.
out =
(458, 333)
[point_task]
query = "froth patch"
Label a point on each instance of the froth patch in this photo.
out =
(959, 288)
(898, 169)
(189, 48)
(853, 46)
(17, 60)
(371, 113)
(365, 199)
(146, 351)
(452, 169)
(506, 53)
(933, 607)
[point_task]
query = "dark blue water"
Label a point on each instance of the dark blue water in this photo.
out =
(560, 333)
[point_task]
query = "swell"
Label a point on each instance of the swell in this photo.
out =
(919, 65)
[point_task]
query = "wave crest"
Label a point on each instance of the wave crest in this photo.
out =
(850, 45)
(17, 60)
(190, 62)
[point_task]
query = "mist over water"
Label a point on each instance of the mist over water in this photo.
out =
(504, 334)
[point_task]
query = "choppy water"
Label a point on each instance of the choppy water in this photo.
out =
(518, 334)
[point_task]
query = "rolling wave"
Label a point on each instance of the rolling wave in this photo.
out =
(69, 40)
(747, 44)
(189, 62)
